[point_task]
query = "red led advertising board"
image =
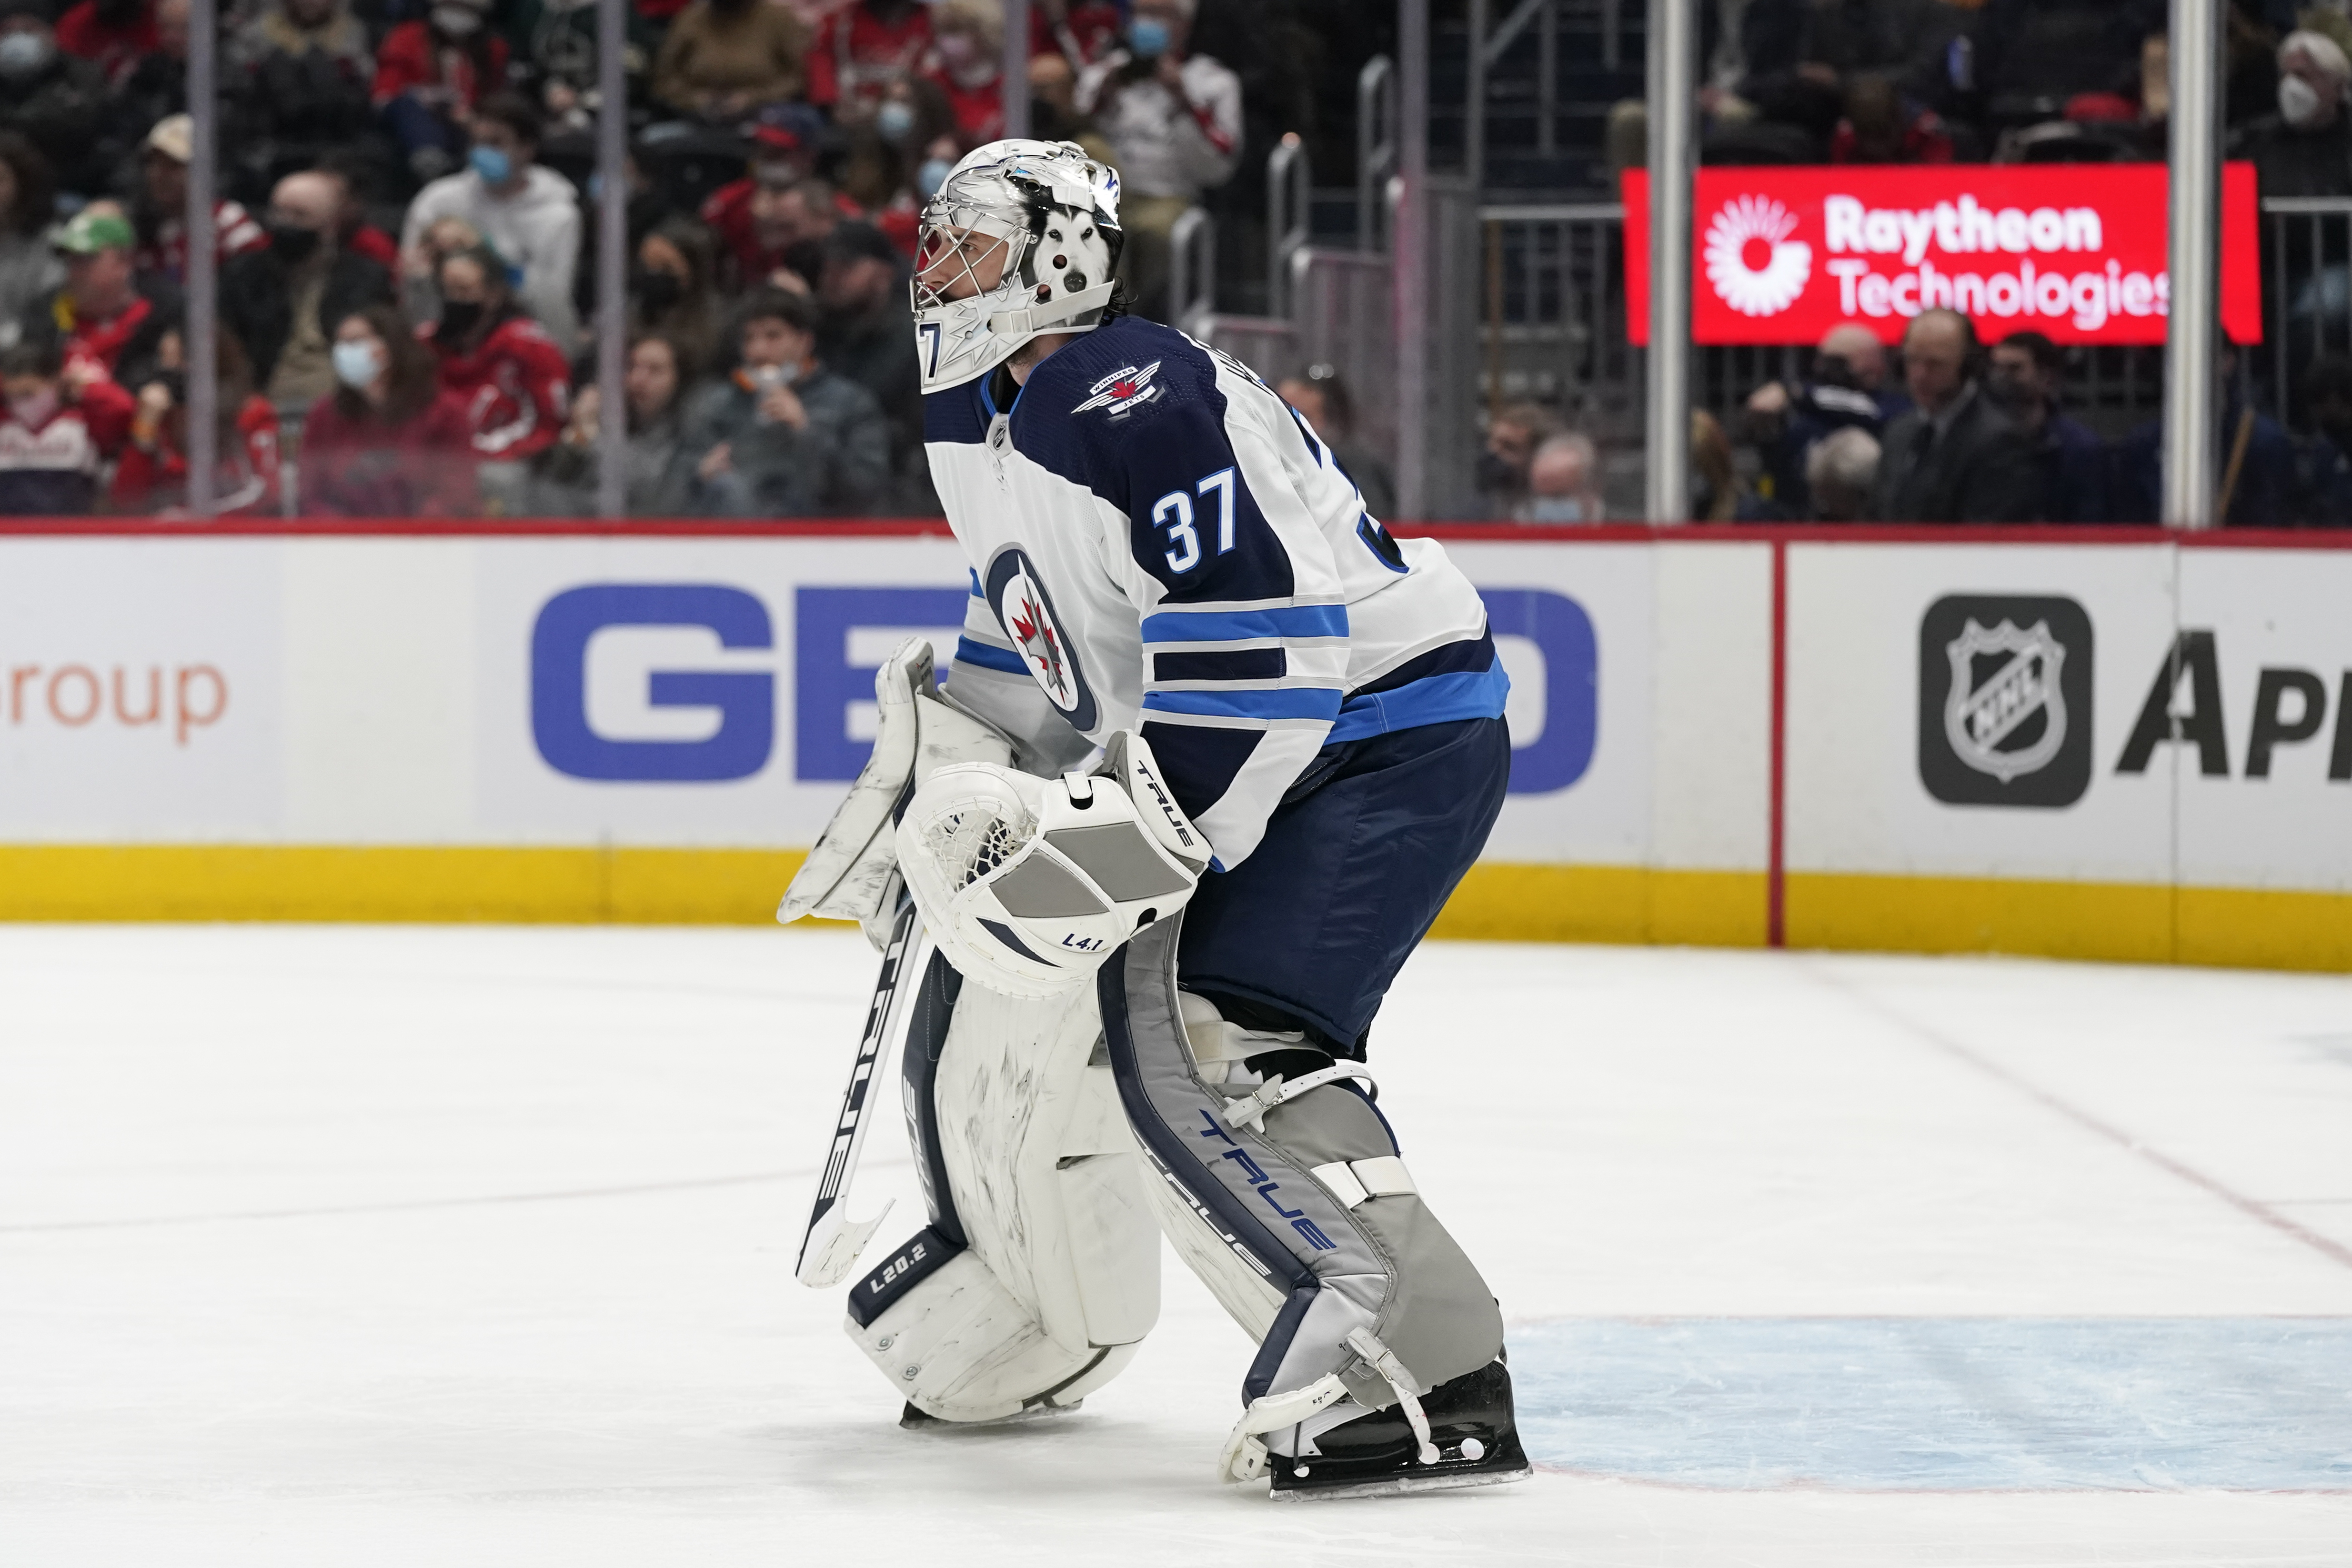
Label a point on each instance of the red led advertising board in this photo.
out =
(2075, 251)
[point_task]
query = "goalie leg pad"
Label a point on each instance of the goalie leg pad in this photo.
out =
(1295, 1210)
(1039, 1273)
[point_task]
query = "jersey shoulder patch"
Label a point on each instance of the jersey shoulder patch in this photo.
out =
(1094, 406)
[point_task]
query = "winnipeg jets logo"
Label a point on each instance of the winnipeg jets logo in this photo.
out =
(1017, 595)
(1122, 389)
(1041, 644)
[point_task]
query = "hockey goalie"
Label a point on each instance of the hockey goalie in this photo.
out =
(1213, 750)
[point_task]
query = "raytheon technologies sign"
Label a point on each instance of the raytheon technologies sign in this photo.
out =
(2079, 253)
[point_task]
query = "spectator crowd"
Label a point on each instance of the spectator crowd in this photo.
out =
(406, 290)
(406, 293)
(1942, 427)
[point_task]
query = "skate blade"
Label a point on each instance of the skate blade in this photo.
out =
(910, 1419)
(1402, 1486)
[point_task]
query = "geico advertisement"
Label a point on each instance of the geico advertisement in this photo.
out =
(722, 691)
(139, 688)
(2133, 714)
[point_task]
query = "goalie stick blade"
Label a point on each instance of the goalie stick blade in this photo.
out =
(832, 1241)
(830, 1254)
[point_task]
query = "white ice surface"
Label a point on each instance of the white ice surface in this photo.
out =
(358, 1245)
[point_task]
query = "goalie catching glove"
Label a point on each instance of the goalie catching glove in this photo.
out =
(1029, 884)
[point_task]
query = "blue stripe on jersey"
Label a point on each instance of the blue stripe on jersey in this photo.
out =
(1234, 625)
(1282, 702)
(976, 587)
(1432, 699)
(986, 658)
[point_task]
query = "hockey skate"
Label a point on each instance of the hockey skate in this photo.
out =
(1470, 1421)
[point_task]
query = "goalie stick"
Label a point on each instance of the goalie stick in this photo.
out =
(831, 1242)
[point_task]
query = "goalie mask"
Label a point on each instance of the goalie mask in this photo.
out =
(1022, 238)
(1029, 884)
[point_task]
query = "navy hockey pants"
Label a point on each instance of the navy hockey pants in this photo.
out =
(1356, 863)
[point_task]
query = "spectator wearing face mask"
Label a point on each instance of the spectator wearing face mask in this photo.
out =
(49, 458)
(54, 100)
(152, 473)
(968, 66)
(783, 436)
(514, 382)
(1173, 120)
(431, 75)
(862, 48)
(868, 320)
(1512, 437)
(389, 441)
(724, 59)
(319, 282)
(671, 292)
(1785, 420)
(113, 35)
(2025, 377)
(528, 212)
(2306, 149)
(30, 272)
(1321, 398)
(1563, 482)
(660, 481)
(879, 173)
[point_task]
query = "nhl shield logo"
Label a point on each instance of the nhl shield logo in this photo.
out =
(2005, 700)
(1017, 596)
(1992, 723)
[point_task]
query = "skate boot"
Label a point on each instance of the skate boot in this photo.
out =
(1470, 1421)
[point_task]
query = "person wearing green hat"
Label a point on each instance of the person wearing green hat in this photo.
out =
(107, 315)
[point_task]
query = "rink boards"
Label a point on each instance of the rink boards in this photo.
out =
(2114, 745)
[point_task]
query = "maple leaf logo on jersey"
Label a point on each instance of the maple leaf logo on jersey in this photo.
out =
(1026, 610)
(1122, 389)
(1041, 647)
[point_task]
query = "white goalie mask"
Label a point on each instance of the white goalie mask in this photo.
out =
(1029, 884)
(1022, 238)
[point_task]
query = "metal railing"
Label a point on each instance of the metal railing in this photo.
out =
(1289, 216)
(2306, 291)
(1376, 148)
(1191, 269)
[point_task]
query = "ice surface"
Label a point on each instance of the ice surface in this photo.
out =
(357, 1246)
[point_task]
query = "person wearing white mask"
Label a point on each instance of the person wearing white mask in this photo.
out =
(1561, 485)
(529, 212)
(389, 441)
(1173, 120)
(2305, 150)
(968, 42)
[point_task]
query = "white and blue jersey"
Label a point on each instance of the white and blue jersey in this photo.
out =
(1160, 543)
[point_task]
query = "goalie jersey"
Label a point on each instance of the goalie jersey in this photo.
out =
(1160, 543)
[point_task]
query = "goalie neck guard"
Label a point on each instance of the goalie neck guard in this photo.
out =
(1022, 238)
